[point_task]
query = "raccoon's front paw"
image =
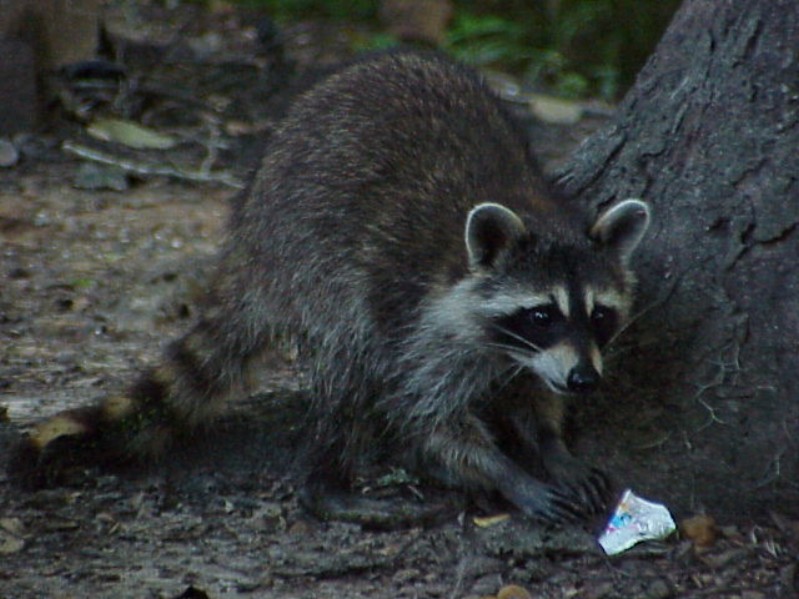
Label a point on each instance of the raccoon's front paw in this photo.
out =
(590, 487)
(546, 503)
(562, 506)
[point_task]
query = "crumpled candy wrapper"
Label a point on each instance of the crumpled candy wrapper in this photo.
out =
(635, 520)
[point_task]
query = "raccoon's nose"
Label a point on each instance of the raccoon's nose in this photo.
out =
(583, 378)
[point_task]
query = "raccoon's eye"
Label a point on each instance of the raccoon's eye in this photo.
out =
(543, 316)
(600, 314)
(604, 321)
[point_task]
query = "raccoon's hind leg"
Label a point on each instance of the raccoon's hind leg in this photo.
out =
(343, 432)
(328, 500)
(197, 372)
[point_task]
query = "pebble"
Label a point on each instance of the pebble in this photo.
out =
(94, 177)
(658, 589)
(9, 156)
(11, 536)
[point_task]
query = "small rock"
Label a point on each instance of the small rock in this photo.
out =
(11, 541)
(10, 544)
(299, 528)
(12, 525)
(406, 575)
(601, 590)
(9, 156)
(97, 177)
(206, 45)
(486, 586)
(658, 589)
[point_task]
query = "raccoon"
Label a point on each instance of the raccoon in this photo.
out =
(443, 301)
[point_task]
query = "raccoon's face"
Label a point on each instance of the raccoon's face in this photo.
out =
(559, 334)
(553, 304)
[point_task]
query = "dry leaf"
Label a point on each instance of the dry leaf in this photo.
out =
(556, 111)
(11, 531)
(130, 134)
(513, 591)
(700, 529)
(486, 521)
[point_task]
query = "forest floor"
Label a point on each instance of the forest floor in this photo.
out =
(95, 281)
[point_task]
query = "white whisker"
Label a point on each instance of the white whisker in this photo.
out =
(512, 374)
(525, 342)
(503, 346)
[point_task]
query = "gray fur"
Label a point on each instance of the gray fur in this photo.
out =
(623, 226)
(490, 229)
(396, 214)
(355, 232)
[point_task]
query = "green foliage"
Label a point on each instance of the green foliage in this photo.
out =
(375, 41)
(575, 47)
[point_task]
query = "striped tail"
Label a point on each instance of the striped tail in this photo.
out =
(166, 403)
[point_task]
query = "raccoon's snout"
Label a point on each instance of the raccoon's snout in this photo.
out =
(565, 371)
(583, 378)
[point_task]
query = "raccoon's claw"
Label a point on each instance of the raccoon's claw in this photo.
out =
(563, 508)
(590, 487)
(571, 504)
(546, 503)
(593, 491)
(600, 489)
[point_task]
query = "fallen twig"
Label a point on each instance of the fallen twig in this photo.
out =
(149, 169)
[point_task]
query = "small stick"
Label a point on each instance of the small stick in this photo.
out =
(149, 169)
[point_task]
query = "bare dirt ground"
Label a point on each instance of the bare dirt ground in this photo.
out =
(94, 282)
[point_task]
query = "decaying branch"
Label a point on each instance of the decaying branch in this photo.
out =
(149, 169)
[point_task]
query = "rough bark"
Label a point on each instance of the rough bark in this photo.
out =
(705, 414)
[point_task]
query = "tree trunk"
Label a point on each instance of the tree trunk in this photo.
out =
(704, 413)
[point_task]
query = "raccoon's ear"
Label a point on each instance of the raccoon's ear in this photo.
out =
(490, 229)
(622, 227)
